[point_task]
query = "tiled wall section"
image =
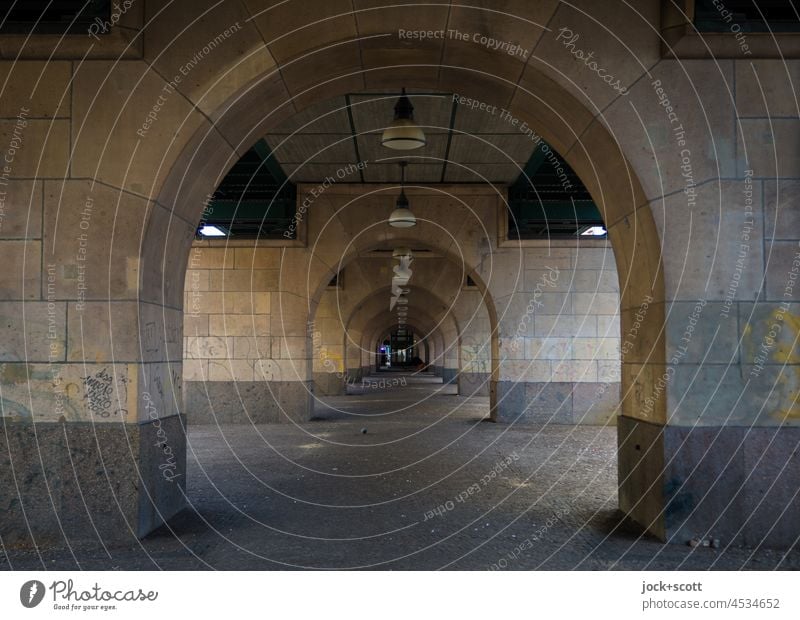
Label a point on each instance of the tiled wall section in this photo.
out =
(228, 317)
(561, 350)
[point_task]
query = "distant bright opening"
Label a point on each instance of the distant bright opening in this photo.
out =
(594, 231)
(212, 231)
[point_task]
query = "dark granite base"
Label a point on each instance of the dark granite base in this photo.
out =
(733, 483)
(247, 402)
(330, 384)
(640, 463)
(162, 466)
(73, 483)
(473, 384)
(355, 374)
(449, 375)
(558, 402)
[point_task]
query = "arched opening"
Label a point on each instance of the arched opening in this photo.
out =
(348, 308)
(326, 261)
(243, 106)
(345, 319)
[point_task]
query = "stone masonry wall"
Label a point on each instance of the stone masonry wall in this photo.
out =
(560, 347)
(232, 344)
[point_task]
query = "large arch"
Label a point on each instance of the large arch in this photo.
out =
(220, 113)
(429, 240)
(616, 190)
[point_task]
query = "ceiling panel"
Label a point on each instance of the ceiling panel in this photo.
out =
(315, 173)
(483, 147)
(325, 117)
(475, 173)
(313, 148)
(390, 173)
(331, 127)
(501, 149)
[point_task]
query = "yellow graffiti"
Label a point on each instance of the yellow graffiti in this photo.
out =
(786, 352)
(331, 360)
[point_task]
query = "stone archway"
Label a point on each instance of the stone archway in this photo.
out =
(380, 334)
(161, 190)
(635, 241)
(430, 242)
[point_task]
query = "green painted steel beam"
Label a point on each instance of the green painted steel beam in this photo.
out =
(270, 163)
(581, 211)
(228, 210)
(531, 168)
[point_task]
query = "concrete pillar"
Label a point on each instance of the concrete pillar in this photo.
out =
(93, 436)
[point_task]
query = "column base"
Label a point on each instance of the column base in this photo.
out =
(557, 402)
(736, 484)
(449, 375)
(75, 482)
(329, 384)
(247, 402)
(473, 384)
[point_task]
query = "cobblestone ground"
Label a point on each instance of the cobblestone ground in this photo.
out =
(415, 491)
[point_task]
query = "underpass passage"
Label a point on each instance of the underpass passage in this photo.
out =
(427, 486)
(557, 264)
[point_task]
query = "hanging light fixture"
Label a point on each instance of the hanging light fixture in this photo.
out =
(403, 134)
(402, 217)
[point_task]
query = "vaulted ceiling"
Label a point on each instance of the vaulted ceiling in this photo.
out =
(465, 145)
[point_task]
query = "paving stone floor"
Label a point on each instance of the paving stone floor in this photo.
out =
(324, 495)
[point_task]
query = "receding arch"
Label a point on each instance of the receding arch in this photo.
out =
(446, 252)
(570, 125)
(361, 312)
(383, 323)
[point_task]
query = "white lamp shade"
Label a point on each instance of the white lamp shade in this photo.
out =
(402, 218)
(403, 135)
